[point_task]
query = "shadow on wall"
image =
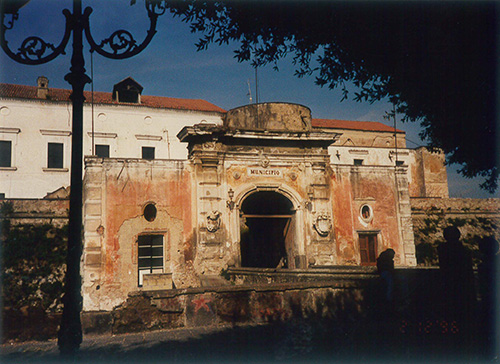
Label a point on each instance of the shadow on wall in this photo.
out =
(473, 225)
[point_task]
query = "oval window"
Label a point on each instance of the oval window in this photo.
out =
(150, 212)
(366, 212)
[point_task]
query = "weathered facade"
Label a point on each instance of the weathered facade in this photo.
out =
(270, 188)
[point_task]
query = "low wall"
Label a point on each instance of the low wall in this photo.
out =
(353, 301)
(349, 306)
(37, 211)
(228, 305)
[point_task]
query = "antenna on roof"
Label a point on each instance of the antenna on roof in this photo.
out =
(388, 116)
(249, 94)
(92, 101)
(256, 86)
(395, 132)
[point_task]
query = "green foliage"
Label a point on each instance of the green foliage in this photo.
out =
(428, 230)
(428, 234)
(426, 254)
(6, 208)
(431, 226)
(458, 222)
(33, 265)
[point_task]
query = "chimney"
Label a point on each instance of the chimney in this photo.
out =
(42, 91)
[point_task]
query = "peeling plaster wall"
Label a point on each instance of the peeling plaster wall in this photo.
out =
(355, 186)
(116, 192)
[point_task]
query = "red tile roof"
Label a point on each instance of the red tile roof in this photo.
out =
(352, 125)
(56, 94)
(161, 102)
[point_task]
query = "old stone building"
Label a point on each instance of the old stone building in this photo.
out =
(270, 187)
(194, 216)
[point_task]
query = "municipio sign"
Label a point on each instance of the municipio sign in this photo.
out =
(264, 172)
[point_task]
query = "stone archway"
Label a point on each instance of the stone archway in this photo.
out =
(267, 229)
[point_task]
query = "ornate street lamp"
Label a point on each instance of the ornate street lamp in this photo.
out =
(34, 51)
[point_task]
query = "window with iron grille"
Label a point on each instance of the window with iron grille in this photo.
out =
(150, 255)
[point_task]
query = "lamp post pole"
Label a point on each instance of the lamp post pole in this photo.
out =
(70, 331)
(34, 51)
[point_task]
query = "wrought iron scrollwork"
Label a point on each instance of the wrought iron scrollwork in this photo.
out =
(33, 50)
(120, 41)
(155, 7)
(121, 44)
(9, 23)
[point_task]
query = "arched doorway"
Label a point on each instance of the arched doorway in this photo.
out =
(267, 230)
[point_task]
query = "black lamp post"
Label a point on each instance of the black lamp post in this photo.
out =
(34, 51)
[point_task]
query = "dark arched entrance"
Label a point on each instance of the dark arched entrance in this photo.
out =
(266, 230)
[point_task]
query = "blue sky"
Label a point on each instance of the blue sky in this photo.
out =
(171, 66)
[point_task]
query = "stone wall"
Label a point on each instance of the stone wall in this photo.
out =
(38, 211)
(475, 218)
(348, 302)
(427, 173)
(270, 116)
(116, 195)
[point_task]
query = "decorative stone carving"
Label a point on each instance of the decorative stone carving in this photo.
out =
(213, 221)
(210, 145)
(307, 205)
(264, 162)
(323, 224)
(263, 159)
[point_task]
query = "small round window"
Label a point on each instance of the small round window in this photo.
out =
(366, 212)
(150, 212)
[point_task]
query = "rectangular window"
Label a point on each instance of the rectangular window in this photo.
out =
(358, 162)
(148, 153)
(55, 155)
(400, 163)
(150, 255)
(102, 150)
(5, 153)
(368, 249)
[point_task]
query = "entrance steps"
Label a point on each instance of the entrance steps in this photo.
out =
(323, 273)
(213, 281)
